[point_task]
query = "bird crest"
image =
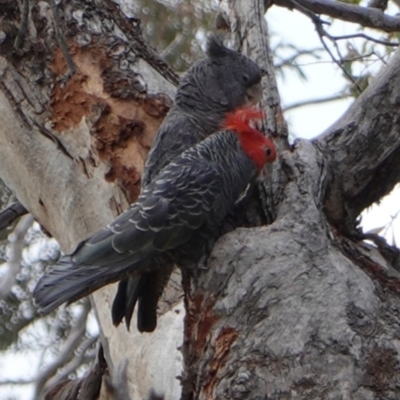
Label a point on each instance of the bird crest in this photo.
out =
(259, 148)
(215, 48)
(240, 120)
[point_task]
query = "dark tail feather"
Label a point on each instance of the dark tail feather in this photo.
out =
(146, 290)
(118, 306)
(147, 308)
(129, 291)
(67, 282)
(126, 298)
(134, 291)
(152, 290)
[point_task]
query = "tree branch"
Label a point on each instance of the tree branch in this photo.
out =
(77, 360)
(16, 240)
(108, 137)
(250, 32)
(86, 388)
(309, 102)
(11, 213)
(362, 36)
(17, 382)
(370, 170)
(67, 351)
(23, 29)
(365, 16)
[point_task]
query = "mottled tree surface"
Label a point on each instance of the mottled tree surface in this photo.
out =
(300, 308)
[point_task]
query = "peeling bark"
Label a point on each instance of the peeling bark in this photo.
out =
(72, 148)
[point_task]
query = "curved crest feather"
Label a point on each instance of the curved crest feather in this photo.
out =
(215, 48)
(240, 119)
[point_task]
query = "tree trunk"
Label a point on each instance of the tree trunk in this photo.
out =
(301, 308)
(72, 148)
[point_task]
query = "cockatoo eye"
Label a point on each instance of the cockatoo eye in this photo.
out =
(268, 151)
(245, 78)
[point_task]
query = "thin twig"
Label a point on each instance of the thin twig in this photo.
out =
(172, 46)
(67, 351)
(62, 42)
(321, 34)
(365, 16)
(23, 29)
(289, 61)
(318, 22)
(350, 59)
(314, 18)
(15, 249)
(74, 363)
(17, 381)
(363, 36)
(316, 101)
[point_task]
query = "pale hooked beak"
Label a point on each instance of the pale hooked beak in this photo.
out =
(254, 94)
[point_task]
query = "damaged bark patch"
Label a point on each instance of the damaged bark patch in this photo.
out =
(199, 320)
(157, 105)
(222, 347)
(382, 369)
(128, 178)
(119, 115)
(70, 104)
(200, 326)
(119, 142)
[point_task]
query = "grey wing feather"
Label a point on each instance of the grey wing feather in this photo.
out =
(122, 248)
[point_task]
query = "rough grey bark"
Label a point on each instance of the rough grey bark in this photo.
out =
(370, 130)
(72, 150)
(301, 308)
(297, 310)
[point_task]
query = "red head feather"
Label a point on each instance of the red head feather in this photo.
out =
(259, 148)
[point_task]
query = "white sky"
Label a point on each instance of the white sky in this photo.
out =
(324, 79)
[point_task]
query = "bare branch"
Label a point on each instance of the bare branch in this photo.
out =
(363, 36)
(365, 16)
(304, 10)
(328, 99)
(370, 128)
(62, 42)
(17, 381)
(16, 246)
(380, 4)
(67, 351)
(179, 38)
(86, 388)
(11, 213)
(23, 29)
(81, 357)
(290, 60)
(321, 33)
(318, 22)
